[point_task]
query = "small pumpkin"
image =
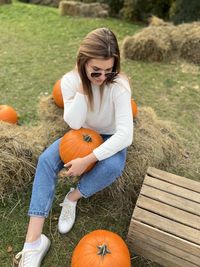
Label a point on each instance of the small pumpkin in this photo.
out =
(57, 94)
(101, 248)
(134, 108)
(8, 114)
(79, 143)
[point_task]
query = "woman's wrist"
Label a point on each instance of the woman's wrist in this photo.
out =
(90, 158)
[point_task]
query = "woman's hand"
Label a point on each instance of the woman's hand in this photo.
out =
(77, 166)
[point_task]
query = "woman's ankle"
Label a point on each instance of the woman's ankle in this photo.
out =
(32, 244)
(32, 238)
(34, 229)
(74, 195)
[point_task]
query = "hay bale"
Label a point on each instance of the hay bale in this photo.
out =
(74, 8)
(20, 147)
(69, 8)
(190, 48)
(179, 34)
(51, 119)
(17, 159)
(49, 111)
(162, 41)
(155, 21)
(151, 44)
(3, 2)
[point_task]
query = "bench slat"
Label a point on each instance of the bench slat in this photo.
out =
(167, 225)
(164, 247)
(175, 179)
(159, 256)
(171, 188)
(167, 211)
(170, 239)
(170, 199)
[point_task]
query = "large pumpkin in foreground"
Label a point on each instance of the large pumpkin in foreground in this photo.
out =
(57, 94)
(101, 248)
(78, 144)
(8, 114)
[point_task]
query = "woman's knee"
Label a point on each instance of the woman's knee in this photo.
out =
(115, 165)
(51, 159)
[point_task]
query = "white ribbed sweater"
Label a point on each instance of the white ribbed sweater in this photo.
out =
(113, 117)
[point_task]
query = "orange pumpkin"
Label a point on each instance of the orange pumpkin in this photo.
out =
(57, 94)
(101, 248)
(78, 144)
(134, 108)
(8, 114)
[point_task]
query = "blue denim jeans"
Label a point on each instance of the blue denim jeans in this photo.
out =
(49, 164)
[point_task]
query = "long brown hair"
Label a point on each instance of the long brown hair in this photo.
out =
(99, 44)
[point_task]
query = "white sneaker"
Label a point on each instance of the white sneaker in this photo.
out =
(34, 257)
(68, 214)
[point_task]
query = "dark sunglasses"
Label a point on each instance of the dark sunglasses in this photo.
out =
(108, 75)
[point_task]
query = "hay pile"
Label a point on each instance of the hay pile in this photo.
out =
(180, 33)
(151, 44)
(17, 159)
(190, 49)
(161, 41)
(20, 147)
(78, 8)
(155, 21)
(155, 144)
(49, 111)
(51, 119)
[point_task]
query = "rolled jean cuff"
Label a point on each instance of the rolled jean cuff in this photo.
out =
(38, 214)
(79, 189)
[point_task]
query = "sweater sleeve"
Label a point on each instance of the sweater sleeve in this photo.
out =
(123, 136)
(75, 103)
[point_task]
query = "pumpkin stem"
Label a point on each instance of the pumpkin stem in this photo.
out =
(87, 138)
(103, 250)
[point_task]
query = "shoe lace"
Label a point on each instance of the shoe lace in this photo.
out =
(67, 210)
(25, 257)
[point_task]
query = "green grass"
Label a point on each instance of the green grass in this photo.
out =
(37, 46)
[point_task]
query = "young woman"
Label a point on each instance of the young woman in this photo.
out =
(96, 96)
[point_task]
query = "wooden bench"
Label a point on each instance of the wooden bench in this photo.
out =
(165, 225)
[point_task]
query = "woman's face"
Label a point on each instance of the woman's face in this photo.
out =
(98, 70)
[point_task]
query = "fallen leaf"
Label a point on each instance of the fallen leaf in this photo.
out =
(9, 249)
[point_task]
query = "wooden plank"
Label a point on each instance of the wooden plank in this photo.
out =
(164, 247)
(168, 198)
(161, 257)
(171, 188)
(175, 179)
(169, 212)
(170, 239)
(167, 225)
